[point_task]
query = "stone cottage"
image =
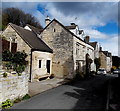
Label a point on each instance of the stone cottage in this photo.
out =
(69, 50)
(39, 54)
(106, 60)
(96, 52)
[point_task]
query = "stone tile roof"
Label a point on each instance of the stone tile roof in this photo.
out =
(108, 54)
(31, 39)
(93, 44)
(34, 29)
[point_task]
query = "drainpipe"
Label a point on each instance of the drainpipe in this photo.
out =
(30, 66)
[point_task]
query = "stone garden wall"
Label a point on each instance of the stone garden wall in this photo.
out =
(13, 87)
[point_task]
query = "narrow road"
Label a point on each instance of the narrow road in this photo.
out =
(85, 94)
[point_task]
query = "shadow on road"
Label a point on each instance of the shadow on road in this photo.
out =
(91, 94)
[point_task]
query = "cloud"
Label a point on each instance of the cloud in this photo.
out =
(111, 44)
(40, 17)
(60, 1)
(96, 34)
(89, 15)
(99, 12)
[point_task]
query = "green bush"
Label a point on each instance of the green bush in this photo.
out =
(19, 74)
(8, 65)
(17, 100)
(19, 69)
(16, 61)
(7, 104)
(5, 74)
(19, 58)
(27, 96)
(7, 55)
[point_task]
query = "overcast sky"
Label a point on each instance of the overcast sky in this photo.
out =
(99, 20)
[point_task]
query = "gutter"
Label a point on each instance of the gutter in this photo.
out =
(30, 78)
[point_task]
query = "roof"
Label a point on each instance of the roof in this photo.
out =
(93, 44)
(31, 39)
(34, 29)
(70, 27)
(108, 54)
(105, 52)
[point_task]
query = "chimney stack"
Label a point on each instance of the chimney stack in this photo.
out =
(87, 39)
(47, 20)
(100, 48)
(72, 23)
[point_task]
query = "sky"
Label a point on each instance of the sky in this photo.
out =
(99, 20)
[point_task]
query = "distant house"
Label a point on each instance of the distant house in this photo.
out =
(69, 50)
(96, 48)
(96, 52)
(39, 54)
(106, 60)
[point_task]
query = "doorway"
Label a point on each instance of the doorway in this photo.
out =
(48, 66)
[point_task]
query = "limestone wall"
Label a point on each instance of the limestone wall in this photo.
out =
(43, 56)
(109, 64)
(80, 55)
(13, 87)
(103, 60)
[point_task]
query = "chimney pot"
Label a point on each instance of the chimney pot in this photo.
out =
(87, 39)
(72, 23)
(47, 20)
(100, 48)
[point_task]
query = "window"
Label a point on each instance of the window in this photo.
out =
(77, 49)
(39, 63)
(54, 30)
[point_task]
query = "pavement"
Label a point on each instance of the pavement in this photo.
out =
(44, 85)
(85, 95)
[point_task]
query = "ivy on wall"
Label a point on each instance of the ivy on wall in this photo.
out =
(16, 61)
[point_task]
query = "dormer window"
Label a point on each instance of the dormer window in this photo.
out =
(54, 30)
(76, 31)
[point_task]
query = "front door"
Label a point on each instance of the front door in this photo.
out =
(48, 66)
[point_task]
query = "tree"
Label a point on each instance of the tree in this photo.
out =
(18, 17)
(97, 63)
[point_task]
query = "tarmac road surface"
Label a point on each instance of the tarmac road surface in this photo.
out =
(86, 95)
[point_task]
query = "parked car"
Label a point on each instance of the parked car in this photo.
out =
(116, 71)
(101, 71)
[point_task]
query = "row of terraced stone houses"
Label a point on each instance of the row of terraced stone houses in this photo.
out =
(57, 49)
